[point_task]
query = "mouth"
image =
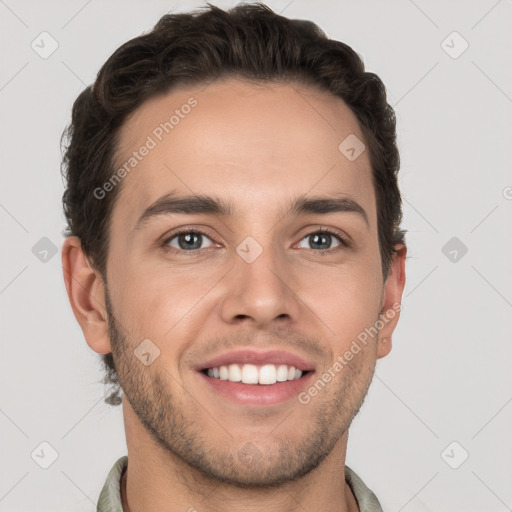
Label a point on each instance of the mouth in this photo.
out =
(256, 379)
(251, 374)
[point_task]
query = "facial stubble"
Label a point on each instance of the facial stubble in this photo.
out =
(166, 410)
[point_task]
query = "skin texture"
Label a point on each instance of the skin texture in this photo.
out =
(259, 147)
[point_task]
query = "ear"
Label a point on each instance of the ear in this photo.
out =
(391, 300)
(86, 294)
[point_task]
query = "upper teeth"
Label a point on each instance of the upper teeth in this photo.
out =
(252, 374)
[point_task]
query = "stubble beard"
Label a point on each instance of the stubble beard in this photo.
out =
(268, 462)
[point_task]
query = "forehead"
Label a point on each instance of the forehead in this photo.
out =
(256, 144)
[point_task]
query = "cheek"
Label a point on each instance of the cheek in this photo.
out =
(346, 301)
(162, 305)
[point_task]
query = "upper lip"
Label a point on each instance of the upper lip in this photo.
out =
(251, 356)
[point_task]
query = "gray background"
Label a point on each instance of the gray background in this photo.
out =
(448, 378)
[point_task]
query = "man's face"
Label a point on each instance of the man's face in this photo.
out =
(262, 286)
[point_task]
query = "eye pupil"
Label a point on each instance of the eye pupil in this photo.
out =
(191, 241)
(323, 239)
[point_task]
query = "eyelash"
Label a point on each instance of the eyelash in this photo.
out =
(344, 243)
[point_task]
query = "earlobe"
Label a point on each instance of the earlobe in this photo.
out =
(384, 347)
(86, 293)
(391, 300)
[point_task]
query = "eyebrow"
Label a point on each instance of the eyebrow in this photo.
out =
(201, 204)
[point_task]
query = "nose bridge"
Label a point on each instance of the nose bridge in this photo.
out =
(259, 286)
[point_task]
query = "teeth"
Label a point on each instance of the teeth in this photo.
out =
(267, 374)
(282, 373)
(235, 374)
(249, 374)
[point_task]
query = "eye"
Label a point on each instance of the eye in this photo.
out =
(189, 240)
(193, 240)
(322, 240)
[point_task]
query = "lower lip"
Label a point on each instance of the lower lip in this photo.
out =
(258, 394)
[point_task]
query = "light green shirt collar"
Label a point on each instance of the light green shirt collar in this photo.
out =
(110, 497)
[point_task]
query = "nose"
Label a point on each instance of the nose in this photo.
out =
(262, 291)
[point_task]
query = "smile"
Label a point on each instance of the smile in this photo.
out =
(267, 374)
(255, 378)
